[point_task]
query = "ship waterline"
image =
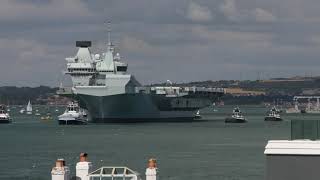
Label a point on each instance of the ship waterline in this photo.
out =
(141, 107)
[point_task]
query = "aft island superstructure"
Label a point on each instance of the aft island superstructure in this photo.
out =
(102, 85)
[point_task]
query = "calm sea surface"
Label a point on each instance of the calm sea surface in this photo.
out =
(185, 151)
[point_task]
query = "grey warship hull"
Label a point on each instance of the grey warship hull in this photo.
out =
(126, 108)
(101, 84)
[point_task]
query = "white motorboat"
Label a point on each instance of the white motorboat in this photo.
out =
(236, 117)
(4, 115)
(273, 115)
(73, 115)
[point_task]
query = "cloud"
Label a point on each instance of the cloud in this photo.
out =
(234, 40)
(234, 14)
(206, 38)
(262, 15)
(198, 13)
(135, 45)
(30, 61)
(229, 10)
(11, 10)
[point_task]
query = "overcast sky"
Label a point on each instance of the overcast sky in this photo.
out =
(180, 40)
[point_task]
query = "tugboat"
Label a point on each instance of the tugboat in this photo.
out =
(273, 115)
(236, 117)
(4, 115)
(73, 115)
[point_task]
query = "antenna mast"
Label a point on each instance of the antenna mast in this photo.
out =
(109, 32)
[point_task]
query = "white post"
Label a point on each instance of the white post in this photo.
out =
(83, 167)
(151, 171)
(60, 171)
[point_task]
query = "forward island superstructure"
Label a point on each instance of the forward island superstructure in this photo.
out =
(102, 85)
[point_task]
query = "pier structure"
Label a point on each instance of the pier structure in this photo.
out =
(297, 158)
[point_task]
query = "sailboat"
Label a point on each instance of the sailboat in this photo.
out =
(29, 108)
(37, 112)
(8, 107)
(214, 107)
(56, 110)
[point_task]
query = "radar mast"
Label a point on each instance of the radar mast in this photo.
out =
(110, 45)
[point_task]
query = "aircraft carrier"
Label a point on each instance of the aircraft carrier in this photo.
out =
(101, 84)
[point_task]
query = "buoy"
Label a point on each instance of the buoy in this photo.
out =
(151, 171)
(83, 167)
(60, 171)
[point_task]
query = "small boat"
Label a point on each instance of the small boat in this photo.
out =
(197, 115)
(22, 111)
(46, 118)
(295, 109)
(273, 115)
(29, 108)
(214, 107)
(4, 115)
(73, 115)
(37, 113)
(236, 117)
(48, 115)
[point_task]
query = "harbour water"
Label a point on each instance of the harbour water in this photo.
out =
(208, 149)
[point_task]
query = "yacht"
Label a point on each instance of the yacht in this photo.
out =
(73, 115)
(273, 115)
(236, 117)
(29, 108)
(4, 115)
